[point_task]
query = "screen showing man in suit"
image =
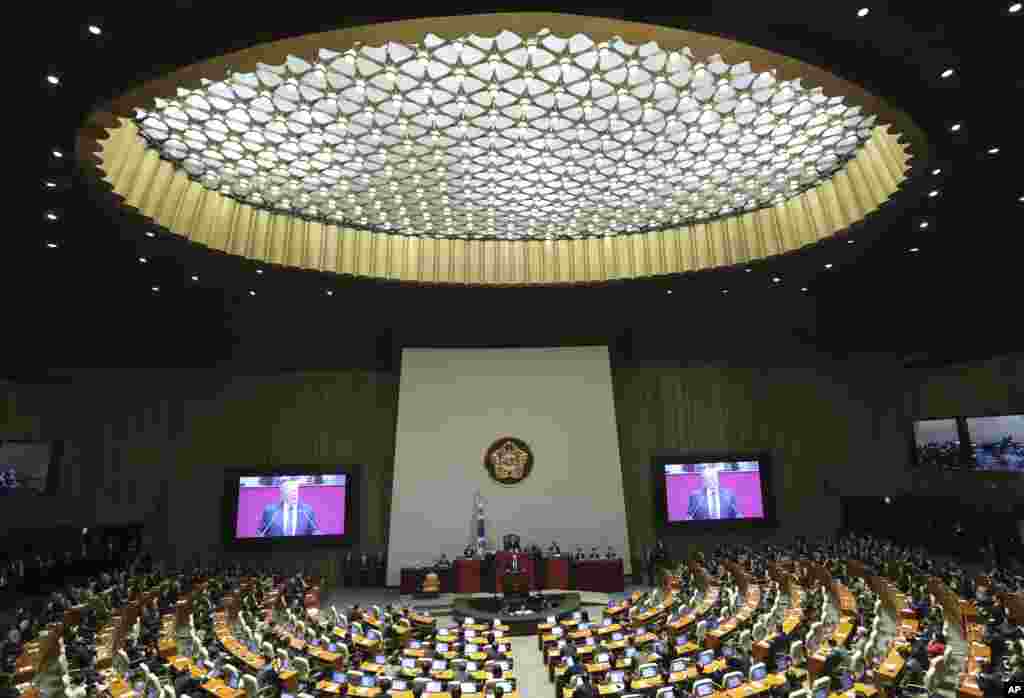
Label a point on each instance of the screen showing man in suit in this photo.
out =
(286, 506)
(713, 491)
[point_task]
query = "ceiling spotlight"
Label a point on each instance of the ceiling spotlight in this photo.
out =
(933, 193)
(51, 216)
(94, 30)
(804, 289)
(252, 293)
(53, 79)
(922, 225)
(776, 279)
(331, 293)
(1015, 8)
(259, 271)
(142, 260)
(863, 12)
(956, 127)
(748, 270)
(829, 265)
(669, 292)
(50, 184)
(52, 245)
(1020, 198)
(888, 500)
(993, 151)
(150, 234)
(725, 290)
(156, 289)
(947, 73)
(937, 171)
(56, 153)
(195, 278)
(914, 249)
(849, 241)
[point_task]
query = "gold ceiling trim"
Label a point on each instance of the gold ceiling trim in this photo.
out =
(110, 145)
(168, 197)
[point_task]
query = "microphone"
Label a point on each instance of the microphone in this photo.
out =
(312, 522)
(263, 533)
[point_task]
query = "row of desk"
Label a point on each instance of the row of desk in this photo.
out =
(470, 576)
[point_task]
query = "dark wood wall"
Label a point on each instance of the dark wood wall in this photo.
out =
(151, 445)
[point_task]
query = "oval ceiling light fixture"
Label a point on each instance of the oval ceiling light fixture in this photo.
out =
(462, 132)
(863, 12)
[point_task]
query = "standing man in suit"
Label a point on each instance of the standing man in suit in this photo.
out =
(711, 501)
(289, 516)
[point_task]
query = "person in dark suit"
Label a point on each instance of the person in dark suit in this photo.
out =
(289, 516)
(711, 501)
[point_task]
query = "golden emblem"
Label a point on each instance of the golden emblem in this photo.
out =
(508, 460)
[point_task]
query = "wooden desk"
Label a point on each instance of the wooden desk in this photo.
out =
(647, 684)
(891, 667)
(363, 692)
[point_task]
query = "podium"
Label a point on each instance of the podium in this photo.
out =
(556, 573)
(515, 584)
(503, 560)
(467, 575)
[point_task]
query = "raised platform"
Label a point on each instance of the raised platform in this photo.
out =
(487, 608)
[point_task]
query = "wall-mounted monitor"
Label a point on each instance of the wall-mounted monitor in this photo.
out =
(997, 443)
(290, 506)
(937, 444)
(29, 467)
(713, 489)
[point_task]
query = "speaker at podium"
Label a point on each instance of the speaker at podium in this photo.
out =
(511, 543)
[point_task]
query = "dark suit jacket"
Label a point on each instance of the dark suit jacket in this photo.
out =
(700, 508)
(272, 521)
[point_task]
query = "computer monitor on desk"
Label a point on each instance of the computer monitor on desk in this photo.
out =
(433, 687)
(616, 676)
(367, 681)
(758, 671)
(705, 658)
(681, 639)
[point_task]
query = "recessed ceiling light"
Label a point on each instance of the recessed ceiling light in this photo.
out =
(863, 12)
(776, 279)
(195, 277)
(51, 184)
(1015, 8)
(849, 241)
(52, 245)
(51, 216)
(748, 270)
(95, 30)
(57, 153)
(150, 234)
(252, 293)
(53, 79)
(829, 265)
(947, 73)
(331, 293)
(804, 289)
(933, 193)
(259, 271)
(888, 500)
(669, 292)
(156, 289)
(956, 127)
(1021, 199)
(914, 249)
(143, 260)
(993, 151)
(922, 225)
(725, 290)
(937, 171)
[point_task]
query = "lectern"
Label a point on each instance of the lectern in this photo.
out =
(515, 584)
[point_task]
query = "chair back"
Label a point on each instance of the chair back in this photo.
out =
(698, 686)
(282, 655)
(301, 668)
(747, 641)
(819, 683)
(169, 692)
(857, 665)
(250, 686)
(802, 693)
(121, 663)
(268, 651)
(931, 680)
(702, 629)
(796, 651)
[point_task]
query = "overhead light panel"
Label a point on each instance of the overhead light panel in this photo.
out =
(863, 12)
(947, 73)
(95, 30)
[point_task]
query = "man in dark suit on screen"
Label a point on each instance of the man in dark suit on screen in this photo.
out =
(710, 501)
(289, 516)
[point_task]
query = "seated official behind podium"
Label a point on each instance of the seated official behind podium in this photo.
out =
(289, 516)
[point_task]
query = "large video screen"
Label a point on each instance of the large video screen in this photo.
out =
(713, 491)
(24, 466)
(937, 443)
(285, 506)
(997, 443)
